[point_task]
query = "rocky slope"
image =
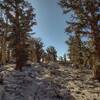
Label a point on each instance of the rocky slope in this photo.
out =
(49, 82)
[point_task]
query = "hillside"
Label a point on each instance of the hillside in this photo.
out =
(49, 82)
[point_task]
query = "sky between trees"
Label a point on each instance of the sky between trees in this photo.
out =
(50, 24)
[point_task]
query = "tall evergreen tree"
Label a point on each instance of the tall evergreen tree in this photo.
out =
(36, 46)
(21, 16)
(75, 50)
(87, 19)
(65, 58)
(86, 12)
(4, 26)
(52, 53)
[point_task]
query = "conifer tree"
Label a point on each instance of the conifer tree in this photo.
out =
(65, 58)
(38, 48)
(52, 53)
(75, 50)
(86, 18)
(4, 26)
(21, 16)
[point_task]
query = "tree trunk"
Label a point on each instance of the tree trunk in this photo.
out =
(96, 68)
(18, 63)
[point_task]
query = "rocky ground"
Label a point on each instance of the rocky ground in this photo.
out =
(49, 82)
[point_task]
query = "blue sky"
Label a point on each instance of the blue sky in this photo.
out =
(50, 24)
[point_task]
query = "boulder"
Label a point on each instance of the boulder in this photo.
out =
(1, 91)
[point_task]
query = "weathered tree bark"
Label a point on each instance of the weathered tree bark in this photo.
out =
(96, 34)
(18, 62)
(96, 68)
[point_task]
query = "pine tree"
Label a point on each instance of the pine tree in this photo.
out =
(4, 26)
(65, 58)
(75, 50)
(38, 49)
(86, 18)
(52, 53)
(21, 17)
(61, 59)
